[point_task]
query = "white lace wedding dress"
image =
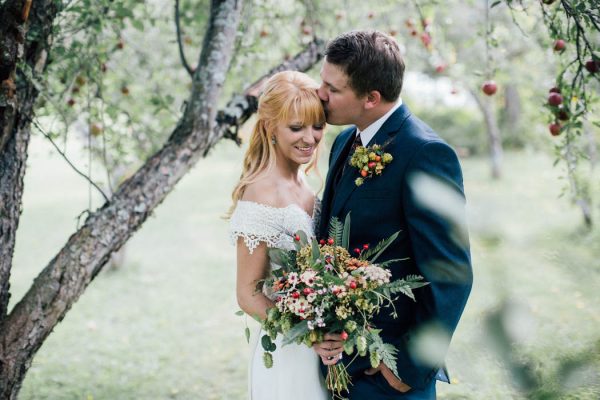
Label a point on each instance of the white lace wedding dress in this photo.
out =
(295, 373)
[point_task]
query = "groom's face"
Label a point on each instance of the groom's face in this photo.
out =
(342, 106)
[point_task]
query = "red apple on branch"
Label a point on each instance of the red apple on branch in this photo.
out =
(559, 45)
(592, 66)
(554, 129)
(555, 99)
(489, 88)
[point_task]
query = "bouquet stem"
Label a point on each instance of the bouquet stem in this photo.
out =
(337, 380)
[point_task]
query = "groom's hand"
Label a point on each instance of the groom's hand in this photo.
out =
(389, 376)
(330, 349)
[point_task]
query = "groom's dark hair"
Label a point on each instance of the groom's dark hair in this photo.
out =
(372, 61)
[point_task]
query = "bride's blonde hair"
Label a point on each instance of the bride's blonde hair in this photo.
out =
(287, 95)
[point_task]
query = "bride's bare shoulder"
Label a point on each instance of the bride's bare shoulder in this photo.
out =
(265, 190)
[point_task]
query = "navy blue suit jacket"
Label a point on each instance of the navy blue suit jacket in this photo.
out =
(436, 246)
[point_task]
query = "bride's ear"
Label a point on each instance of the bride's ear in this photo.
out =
(372, 99)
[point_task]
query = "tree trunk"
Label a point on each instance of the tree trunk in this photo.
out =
(67, 275)
(16, 109)
(488, 110)
(511, 126)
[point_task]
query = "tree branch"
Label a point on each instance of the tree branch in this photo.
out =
(187, 67)
(87, 178)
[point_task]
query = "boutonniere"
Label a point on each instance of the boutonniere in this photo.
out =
(369, 161)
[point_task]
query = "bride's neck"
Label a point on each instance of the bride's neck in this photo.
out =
(288, 170)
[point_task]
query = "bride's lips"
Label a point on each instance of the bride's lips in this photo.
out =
(306, 150)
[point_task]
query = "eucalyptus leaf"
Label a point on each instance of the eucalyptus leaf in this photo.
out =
(295, 332)
(346, 232)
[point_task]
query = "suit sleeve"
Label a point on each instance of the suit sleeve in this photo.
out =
(434, 204)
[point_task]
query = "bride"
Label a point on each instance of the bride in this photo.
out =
(271, 202)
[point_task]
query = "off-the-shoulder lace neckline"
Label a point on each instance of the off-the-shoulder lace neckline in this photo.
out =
(291, 205)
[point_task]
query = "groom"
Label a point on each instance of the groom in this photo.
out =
(419, 193)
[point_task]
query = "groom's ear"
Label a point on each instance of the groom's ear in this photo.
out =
(373, 99)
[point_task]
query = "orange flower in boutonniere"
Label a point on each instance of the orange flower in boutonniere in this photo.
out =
(369, 161)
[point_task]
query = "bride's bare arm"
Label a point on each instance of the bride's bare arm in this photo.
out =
(251, 268)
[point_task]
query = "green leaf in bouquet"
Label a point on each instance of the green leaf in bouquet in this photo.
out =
(316, 251)
(405, 286)
(374, 359)
(379, 249)
(278, 258)
(336, 231)
(268, 359)
(349, 346)
(303, 240)
(388, 356)
(387, 263)
(294, 333)
(346, 232)
(267, 343)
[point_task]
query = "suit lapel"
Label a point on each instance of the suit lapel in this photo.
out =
(347, 186)
(338, 158)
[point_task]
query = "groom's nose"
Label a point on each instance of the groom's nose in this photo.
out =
(322, 92)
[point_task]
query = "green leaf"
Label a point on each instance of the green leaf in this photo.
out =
(267, 343)
(405, 286)
(247, 333)
(239, 313)
(495, 3)
(316, 252)
(388, 262)
(295, 332)
(346, 232)
(336, 230)
(137, 24)
(380, 248)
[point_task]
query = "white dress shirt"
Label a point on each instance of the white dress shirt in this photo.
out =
(371, 130)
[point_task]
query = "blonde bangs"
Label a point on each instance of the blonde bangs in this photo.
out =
(305, 107)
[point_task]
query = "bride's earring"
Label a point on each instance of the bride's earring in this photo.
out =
(273, 140)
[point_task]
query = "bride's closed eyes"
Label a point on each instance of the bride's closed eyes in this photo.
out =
(298, 128)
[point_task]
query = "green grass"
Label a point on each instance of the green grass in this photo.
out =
(162, 326)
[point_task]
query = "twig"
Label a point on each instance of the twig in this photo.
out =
(187, 67)
(67, 159)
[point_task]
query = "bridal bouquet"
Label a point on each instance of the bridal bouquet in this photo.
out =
(319, 287)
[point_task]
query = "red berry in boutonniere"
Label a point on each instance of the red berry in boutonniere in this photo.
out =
(366, 246)
(322, 242)
(295, 295)
(297, 238)
(352, 285)
(330, 241)
(357, 251)
(344, 335)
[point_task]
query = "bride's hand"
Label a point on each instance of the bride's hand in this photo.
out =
(330, 349)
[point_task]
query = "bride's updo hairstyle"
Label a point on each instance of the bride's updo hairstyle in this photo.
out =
(287, 95)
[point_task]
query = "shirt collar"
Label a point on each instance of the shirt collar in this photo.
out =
(370, 131)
